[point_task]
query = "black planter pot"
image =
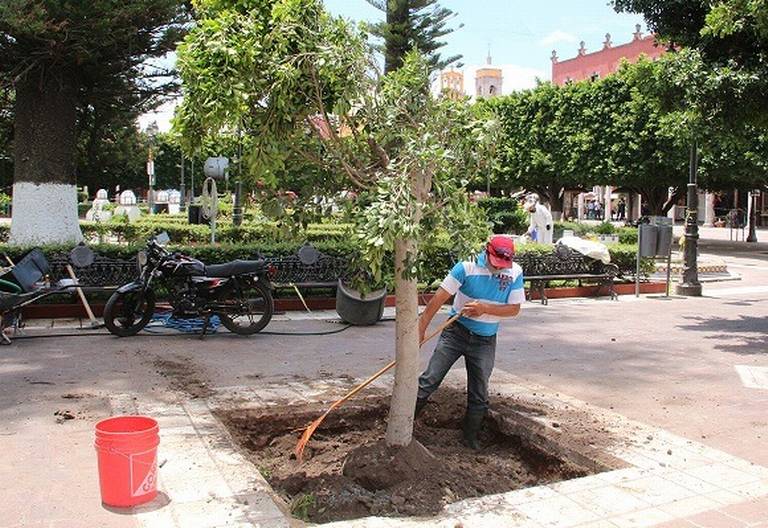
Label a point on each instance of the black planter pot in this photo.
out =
(359, 310)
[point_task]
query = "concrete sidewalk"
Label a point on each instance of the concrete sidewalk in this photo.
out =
(693, 369)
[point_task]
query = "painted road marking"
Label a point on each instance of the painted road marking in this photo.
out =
(753, 377)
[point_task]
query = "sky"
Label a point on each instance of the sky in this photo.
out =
(520, 34)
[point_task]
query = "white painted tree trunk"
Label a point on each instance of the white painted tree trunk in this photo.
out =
(44, 213)
(400, 424)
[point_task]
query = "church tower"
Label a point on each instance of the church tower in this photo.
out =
(452, 84)
(488, 80)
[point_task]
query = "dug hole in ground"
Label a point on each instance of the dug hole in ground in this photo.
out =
(348, 472)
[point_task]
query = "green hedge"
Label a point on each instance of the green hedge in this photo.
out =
(435, 262)
(183, 233)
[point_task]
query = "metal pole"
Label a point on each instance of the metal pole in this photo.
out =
(637, 269)
(182, 188)
(689, 284)
(237, 213)
(192, 182)
(752, 217)
(237, 210)
(151, 175)
(669, 267)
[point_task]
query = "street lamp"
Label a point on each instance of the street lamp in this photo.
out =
(237, 210)
(690, 284)
(753, 206)
(151, 174)
(182, 188)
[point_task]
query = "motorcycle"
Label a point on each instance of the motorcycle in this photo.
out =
(238, 292)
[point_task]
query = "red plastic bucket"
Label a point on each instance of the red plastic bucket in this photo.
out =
(127, 451)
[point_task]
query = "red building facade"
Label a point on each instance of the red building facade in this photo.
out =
(605, 61)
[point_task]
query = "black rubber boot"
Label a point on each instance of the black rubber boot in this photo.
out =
(473, 420)
(420, 403)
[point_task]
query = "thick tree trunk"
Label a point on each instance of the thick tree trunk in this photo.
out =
(658, 199)
(44, 191)
(400, 425)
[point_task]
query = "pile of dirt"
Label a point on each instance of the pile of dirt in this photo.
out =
(183, 376)
(348, 472)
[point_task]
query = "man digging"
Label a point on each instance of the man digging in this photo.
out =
(485, 291)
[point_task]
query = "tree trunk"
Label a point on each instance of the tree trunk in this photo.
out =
(400, 424)
(44, 191)
(658, 199)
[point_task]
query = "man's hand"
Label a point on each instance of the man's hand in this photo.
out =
(474, 309)
(423, 323)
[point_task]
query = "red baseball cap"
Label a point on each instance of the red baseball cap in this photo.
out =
(500, 250)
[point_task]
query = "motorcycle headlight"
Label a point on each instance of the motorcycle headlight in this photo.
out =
(141, 259)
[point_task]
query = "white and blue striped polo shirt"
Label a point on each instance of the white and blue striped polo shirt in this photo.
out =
(473, 281)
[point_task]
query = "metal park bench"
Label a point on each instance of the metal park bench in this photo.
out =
(309, 268)
(565, 264)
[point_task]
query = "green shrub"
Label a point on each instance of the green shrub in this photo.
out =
(605, 228)
(627, 235)
(505, 214)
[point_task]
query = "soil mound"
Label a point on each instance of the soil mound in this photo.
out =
(348, 472)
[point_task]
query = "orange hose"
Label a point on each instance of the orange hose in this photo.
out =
(309, 431)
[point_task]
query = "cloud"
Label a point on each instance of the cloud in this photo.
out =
(556, 37)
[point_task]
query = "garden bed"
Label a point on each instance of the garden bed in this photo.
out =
(348, 473)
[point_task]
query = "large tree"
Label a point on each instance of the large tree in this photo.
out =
(723, 30)
(65, 58)
(286, 71)
(409, 25)
(632, 129)
(549, 140)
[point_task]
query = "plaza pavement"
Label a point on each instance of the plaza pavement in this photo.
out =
(693, 369)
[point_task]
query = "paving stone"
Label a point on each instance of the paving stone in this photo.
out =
(557, 512)
(655, 490)
(641, 519)
(689, 506)
(749, 512)
(716, 519)
(722, 475)
(609, 500)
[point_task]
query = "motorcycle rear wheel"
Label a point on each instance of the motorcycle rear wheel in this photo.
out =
(251, 311)
(126, 315)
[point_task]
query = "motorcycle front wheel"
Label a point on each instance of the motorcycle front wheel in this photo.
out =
(249, 311)
(126, 313)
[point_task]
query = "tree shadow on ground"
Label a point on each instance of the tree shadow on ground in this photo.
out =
(746, 335)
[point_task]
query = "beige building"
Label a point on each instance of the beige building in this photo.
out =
(488, 81)
(452, 84)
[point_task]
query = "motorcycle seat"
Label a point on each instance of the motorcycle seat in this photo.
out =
(236, 267)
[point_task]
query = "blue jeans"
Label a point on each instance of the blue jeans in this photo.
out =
(479, 355)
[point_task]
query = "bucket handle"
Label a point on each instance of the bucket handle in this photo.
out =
(112, 451)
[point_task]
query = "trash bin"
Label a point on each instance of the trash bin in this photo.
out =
(649, 235)
(663, 240)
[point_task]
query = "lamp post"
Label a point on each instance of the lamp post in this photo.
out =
(689, 284)
(182, 188)
(151, 174)
(753, 201)
(237, 209)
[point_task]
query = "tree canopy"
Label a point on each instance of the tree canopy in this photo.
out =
(632, 129)
(70, 65)
(413, 25)
(725, 31)
(299, 82)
